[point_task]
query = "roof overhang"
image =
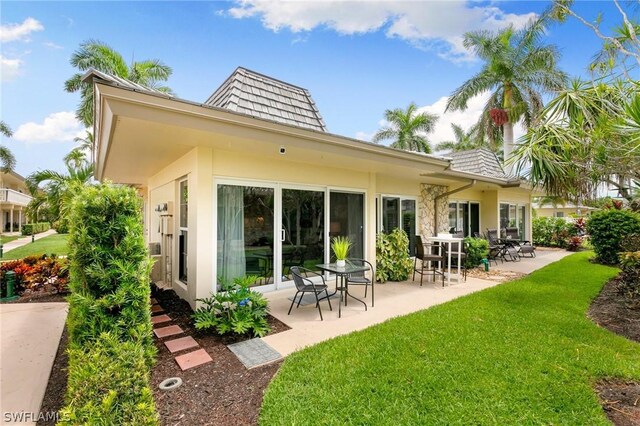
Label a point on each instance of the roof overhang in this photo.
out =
(159, 129)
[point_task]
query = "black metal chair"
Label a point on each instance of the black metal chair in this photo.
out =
(497, 247)
(524, 246)
(305, 285)
(360, 278)
(429, 257)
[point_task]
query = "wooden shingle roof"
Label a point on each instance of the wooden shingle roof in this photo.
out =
(254, 94)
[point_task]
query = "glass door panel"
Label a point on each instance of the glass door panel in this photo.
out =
(521, 221)
(474, 219)
(346, 218)
(390, 211)
(409, 223)
(302, 230)
(245, 233)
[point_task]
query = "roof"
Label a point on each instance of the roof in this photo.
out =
(260, 96)
(478, 161)
(123, 82)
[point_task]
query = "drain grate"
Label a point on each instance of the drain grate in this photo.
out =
(255, 352)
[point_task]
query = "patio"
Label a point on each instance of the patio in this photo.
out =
(392, 300)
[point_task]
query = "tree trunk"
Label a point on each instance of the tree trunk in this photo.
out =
(508, 145)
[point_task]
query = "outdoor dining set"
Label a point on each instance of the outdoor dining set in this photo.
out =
(442, 256)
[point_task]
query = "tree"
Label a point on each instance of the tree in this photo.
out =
(407, 129)
(588, 134)
(98, 55)
(54, 191)
(7, 160)
(471, 139)
(80, 152)
(517, 71)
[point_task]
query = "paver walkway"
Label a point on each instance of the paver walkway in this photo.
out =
(29, 334)
(26, 240)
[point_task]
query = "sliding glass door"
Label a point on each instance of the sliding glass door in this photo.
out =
(302, 235)
(346, 218)
(464, 217)
(264, 230)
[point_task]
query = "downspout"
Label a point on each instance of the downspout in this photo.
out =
(446, 194)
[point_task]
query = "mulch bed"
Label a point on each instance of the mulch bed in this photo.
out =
(494, 274)
(41, 298)
(620, 400)
(222, 392)
(57, 386)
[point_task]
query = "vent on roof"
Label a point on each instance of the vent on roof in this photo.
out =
(255, 94)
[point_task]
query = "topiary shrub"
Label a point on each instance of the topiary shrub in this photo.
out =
(477, 249)
(111, 346)
(235, 309)
(35, 228)
(392, 256)
(608, 229)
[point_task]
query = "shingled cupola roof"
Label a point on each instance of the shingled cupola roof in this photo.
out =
(478, 161)
(254, 94)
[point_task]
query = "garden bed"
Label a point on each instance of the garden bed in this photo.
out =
(220, 392)
(620, 399)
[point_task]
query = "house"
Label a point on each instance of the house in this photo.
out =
(14, 199)
(566, 210)
(251, 182)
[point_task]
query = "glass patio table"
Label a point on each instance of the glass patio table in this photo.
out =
(342, 272)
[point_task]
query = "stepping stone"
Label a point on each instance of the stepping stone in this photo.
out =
(160, 318)
(167, 331)
(177, 345)
(255, 352)
(193, 359)
(156, 309)
(153, 301)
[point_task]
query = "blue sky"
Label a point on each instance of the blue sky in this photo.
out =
(356, 58)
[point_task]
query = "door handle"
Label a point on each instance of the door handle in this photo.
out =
(282, 235)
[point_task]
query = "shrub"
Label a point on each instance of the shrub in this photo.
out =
(109, 322)
(553, 232)
(574, 243)
(607, 229)
(629, 283)
(35, 228)
(477, 249)
(61, 226)
(392, 256)
(236, 309)
(109, 384)
(38, 273)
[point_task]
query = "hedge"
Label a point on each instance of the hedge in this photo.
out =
(111, 349)
(35, 228)
(608, 229)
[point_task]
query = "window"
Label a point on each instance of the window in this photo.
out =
(399, 212)
(513, 216)
(464, 217)
(183, 230)
(559, 214)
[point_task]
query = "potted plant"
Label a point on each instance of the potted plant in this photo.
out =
(340, 247)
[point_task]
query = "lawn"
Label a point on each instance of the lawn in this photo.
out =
(519, 353)
(53, 244)
(4, 239)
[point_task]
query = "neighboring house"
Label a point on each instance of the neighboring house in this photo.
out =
(567, 210)
(608, 189)
(250, 182)
(14, 199)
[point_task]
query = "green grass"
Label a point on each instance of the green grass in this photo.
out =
(53, 244)
(519, 353)
(4, 239)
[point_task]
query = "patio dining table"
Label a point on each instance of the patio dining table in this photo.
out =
(341, 273)
(449, 241)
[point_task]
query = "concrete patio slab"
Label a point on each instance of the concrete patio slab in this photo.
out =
(29, 335)
(392, 300)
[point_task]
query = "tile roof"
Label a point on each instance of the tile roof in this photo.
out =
(478, 161)
(251, 93)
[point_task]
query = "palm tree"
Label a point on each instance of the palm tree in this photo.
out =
(80, 152)
(404, 128)
(7, 160)
(517, 70)
(98, 55)
(54, 191)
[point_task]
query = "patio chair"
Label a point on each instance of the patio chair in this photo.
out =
(305, 285)
(360, 278)
(429, 254)
(497, 249)
(524, 246)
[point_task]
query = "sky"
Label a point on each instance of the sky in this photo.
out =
(357, 58)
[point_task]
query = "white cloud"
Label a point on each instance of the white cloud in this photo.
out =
(432, 25)
(52, 45)
(21, 32)
(57, 127)
(9, 68)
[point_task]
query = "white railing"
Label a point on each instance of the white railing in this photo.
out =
(14, 197)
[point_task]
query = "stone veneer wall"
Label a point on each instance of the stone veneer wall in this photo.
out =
(428, 193)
